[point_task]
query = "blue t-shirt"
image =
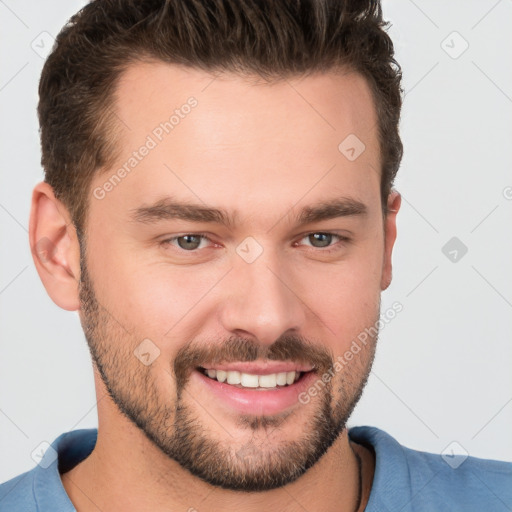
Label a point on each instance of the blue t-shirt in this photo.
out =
(405, 480)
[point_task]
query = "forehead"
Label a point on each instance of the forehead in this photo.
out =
(227, 140)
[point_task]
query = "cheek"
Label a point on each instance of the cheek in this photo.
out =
(350, 286)
(346, 296)
(158, 300)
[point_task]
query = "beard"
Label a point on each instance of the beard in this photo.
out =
(259, 462)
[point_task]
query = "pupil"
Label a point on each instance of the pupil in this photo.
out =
(190, 243)
(323, 238)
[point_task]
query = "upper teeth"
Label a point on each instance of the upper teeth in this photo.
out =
(249, 380)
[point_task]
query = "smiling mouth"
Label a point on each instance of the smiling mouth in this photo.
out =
(253, 381)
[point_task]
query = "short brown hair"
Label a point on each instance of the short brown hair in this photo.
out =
(274, 39)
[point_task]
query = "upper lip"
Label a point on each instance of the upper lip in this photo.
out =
(260, 368)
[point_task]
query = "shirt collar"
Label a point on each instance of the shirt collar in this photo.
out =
(64, 453)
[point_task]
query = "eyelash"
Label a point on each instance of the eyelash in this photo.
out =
(328, 249)
(168, 241)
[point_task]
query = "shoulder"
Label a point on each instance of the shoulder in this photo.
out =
(41, 487)
(412, 480)
(18, 493)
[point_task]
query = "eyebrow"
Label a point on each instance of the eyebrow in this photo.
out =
(171, 209)
(331, 209)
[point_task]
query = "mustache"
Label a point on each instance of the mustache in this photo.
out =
(237, 349)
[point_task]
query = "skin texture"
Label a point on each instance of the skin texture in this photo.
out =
(263, 151)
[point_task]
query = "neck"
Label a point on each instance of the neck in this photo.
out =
(101, 482)
(127, 472)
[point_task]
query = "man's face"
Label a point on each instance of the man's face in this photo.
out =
(267, 294)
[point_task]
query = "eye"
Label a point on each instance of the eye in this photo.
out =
(322, 239)
(188, 242)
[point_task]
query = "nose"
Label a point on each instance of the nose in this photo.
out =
(261, 301)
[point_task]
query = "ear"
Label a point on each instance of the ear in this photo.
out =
(394, 202)
(55, 248)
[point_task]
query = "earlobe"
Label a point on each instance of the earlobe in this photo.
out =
(393, 206)
(54, 246)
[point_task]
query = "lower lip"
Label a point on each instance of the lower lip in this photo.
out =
(256, 401)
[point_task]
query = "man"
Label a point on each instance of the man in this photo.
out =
(218, 206)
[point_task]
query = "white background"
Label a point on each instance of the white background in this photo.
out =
(443, 366)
